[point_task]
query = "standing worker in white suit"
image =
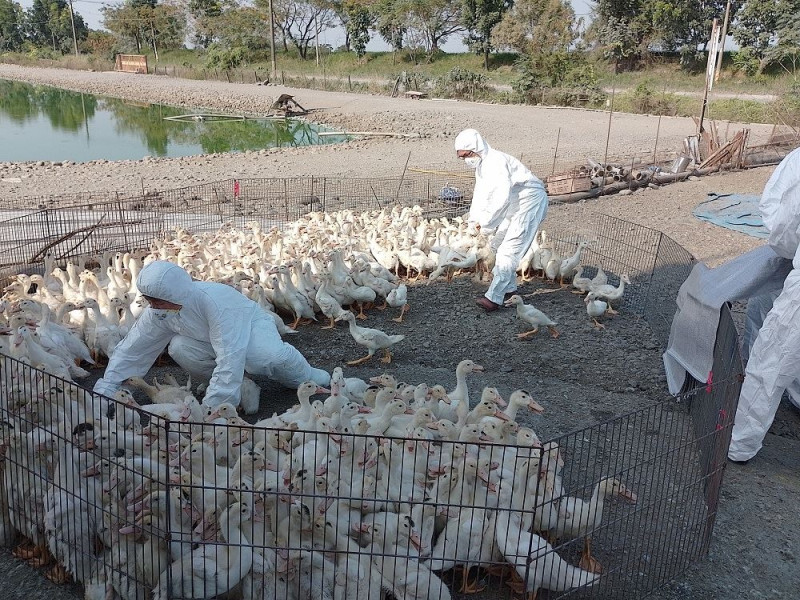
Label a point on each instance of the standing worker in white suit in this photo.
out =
(213, 332)
(774, 363)
(509, 203)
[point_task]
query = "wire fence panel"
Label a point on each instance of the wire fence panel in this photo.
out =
(183, 501)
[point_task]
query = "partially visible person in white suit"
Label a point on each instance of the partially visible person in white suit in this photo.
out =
(774, 361)
(509, 203)
(213, 332)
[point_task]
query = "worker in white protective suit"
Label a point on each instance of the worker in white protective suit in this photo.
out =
(213, 331)
(774, 363)
(509, 203)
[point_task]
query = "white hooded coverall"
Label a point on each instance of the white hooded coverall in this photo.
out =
(510, 202)
(218, 333)
(774, 361)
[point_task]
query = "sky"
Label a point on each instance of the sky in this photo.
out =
(90, 11)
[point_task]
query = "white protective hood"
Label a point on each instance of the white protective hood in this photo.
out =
(165, 281)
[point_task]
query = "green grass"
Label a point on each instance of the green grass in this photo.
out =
(652, 90)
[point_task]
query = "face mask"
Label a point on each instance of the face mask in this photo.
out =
(472, 161)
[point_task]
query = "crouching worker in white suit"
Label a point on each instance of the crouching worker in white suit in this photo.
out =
(509, 203)
(214, 332)
(774, 362)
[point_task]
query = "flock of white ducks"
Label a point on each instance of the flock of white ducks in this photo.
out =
(377, 487)
(313, 268)
(393, 513)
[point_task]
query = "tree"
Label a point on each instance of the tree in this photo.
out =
(479, 17)
(391, 21)
(434, 20)
(146, 23)
(357, 26)
(49, 24)
(11, 26)
(205, 14)
(301, 21)
(537, 27)
(622, 30)
(767, 31)
(244, 27)
(685, 25)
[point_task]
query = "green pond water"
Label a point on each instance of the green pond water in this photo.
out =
(47, 123)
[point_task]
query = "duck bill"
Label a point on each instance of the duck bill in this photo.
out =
(322, 390)
(477, 369)
(364, 410)
(501, 415)
(535, 407)
(415, 540)
(500, 402)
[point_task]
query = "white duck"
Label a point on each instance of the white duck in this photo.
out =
(580, 517)
(372, 339)
(533, 316)
(596, 308)
(569, 265)
(609, 293)
(398, 298)
(455, 405)
(212, 569)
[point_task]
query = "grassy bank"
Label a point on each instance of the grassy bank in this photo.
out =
(663, 88)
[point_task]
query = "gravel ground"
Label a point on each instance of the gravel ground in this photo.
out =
(754, 550)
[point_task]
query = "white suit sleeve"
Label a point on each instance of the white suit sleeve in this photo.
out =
(229, 332)
(774, 364)
(492, 194)
(135, 354)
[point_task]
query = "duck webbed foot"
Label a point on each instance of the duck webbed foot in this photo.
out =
(402, 312)
(589, 562)
(58, 575)
(470, 587)
(387, 356)
(527, 334)
(358, 361)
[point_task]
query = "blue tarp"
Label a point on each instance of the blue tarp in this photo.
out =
(733, 211)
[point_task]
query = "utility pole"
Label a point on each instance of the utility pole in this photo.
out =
(713, 48)
(272, 42)
(722, 42)
(72, 20)
(153, 36)
(316, 36)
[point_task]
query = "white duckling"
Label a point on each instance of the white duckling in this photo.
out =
(580, 283)
(596, 308)
(455, 405)
(600, 278)
(580, 517)
(211, 569)
(609, 293)
(398, 298)
(372, 339)
(522, 399)
(569, 265)
(533, 558)
(532, 316)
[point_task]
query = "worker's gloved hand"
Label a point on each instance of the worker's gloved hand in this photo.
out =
(473, 228)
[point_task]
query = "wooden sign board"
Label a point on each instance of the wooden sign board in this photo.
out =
(131, 63)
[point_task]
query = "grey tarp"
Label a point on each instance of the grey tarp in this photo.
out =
(694, 328)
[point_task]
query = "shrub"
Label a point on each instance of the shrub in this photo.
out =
(218, 57)
(564, 79)
(461, 83)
